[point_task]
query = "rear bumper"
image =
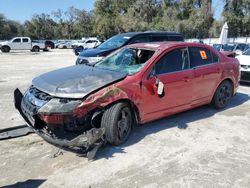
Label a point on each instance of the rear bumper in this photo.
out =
(85, 141)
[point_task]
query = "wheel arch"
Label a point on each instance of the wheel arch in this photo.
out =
(133, 108)
(98, 112)
(36, 46)
(229, 80)
(6, 46)
(223, 80)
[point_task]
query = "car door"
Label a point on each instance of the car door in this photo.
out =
(26, 45)
(207, 72)
(16, 44)
(172, 70)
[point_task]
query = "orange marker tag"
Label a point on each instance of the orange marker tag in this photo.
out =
(203, 54)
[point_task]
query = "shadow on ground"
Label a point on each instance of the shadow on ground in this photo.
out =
(31, 183)
(180, 120)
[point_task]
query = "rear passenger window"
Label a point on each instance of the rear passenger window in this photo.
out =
(25, 40)
(159, 38)
(173, 61)
(90, 41)
(175, 38)
(140, 40)
(199, 56)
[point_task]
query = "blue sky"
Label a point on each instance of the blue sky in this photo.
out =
(21, 10)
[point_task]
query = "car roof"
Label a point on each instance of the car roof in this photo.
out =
(166, 44)
(132, 34)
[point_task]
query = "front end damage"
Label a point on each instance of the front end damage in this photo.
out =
(55, 120)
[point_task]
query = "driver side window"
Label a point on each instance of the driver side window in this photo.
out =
(174, 61)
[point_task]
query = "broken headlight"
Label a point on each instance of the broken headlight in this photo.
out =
(58, 106)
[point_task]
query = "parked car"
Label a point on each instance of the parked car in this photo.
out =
(118, 41)
(88, 43)
(65, 45)
(58, 42)
(238, 48)
(84, 106)
(49, 44)
(21, 43)
(77, 43)
(244, 60)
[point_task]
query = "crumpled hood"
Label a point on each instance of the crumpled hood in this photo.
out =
(75, 81)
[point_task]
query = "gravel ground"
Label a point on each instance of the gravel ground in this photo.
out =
(198, 148)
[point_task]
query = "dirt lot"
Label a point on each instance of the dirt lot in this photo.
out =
(199, 148)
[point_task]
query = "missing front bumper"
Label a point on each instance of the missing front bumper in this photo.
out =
(88, 142)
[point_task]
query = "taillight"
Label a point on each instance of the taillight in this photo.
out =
(52, 119)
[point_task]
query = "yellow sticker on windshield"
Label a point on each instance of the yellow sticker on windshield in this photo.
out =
(203, 54)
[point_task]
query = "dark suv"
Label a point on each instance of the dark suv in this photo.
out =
(95, 54)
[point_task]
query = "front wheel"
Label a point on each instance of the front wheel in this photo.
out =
(117, 121)
(222, 95)
(5, 49)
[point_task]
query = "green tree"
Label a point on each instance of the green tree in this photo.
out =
(83, 27)
(40, 27)
(9, 28)
(234, 12)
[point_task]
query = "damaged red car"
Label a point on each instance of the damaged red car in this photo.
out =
(84, 106)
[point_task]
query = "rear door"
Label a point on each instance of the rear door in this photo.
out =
(207, 71)
(173, 71)
(26, 44)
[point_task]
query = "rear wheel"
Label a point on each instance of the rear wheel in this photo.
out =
(35, 49)
(117, 121)
(222, 95)
(5, 49)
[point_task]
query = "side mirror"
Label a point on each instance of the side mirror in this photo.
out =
(158, 86)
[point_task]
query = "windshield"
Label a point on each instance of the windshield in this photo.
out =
(114, 42)
(247, 52)
(128, 60)
(217, 46)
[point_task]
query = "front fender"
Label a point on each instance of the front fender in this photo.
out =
(101, 99)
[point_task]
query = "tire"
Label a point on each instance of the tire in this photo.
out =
(35, 49)
(117, 121)
(222, 95)
(64, 47)
(5, 49)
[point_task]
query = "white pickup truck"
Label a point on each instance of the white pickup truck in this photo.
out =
(21, 43)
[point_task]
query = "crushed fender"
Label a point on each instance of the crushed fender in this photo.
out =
(14, 132)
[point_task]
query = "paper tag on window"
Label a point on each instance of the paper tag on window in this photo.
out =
(160, 88)
(203, 54)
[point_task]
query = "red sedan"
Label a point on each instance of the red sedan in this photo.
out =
(84, 106)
